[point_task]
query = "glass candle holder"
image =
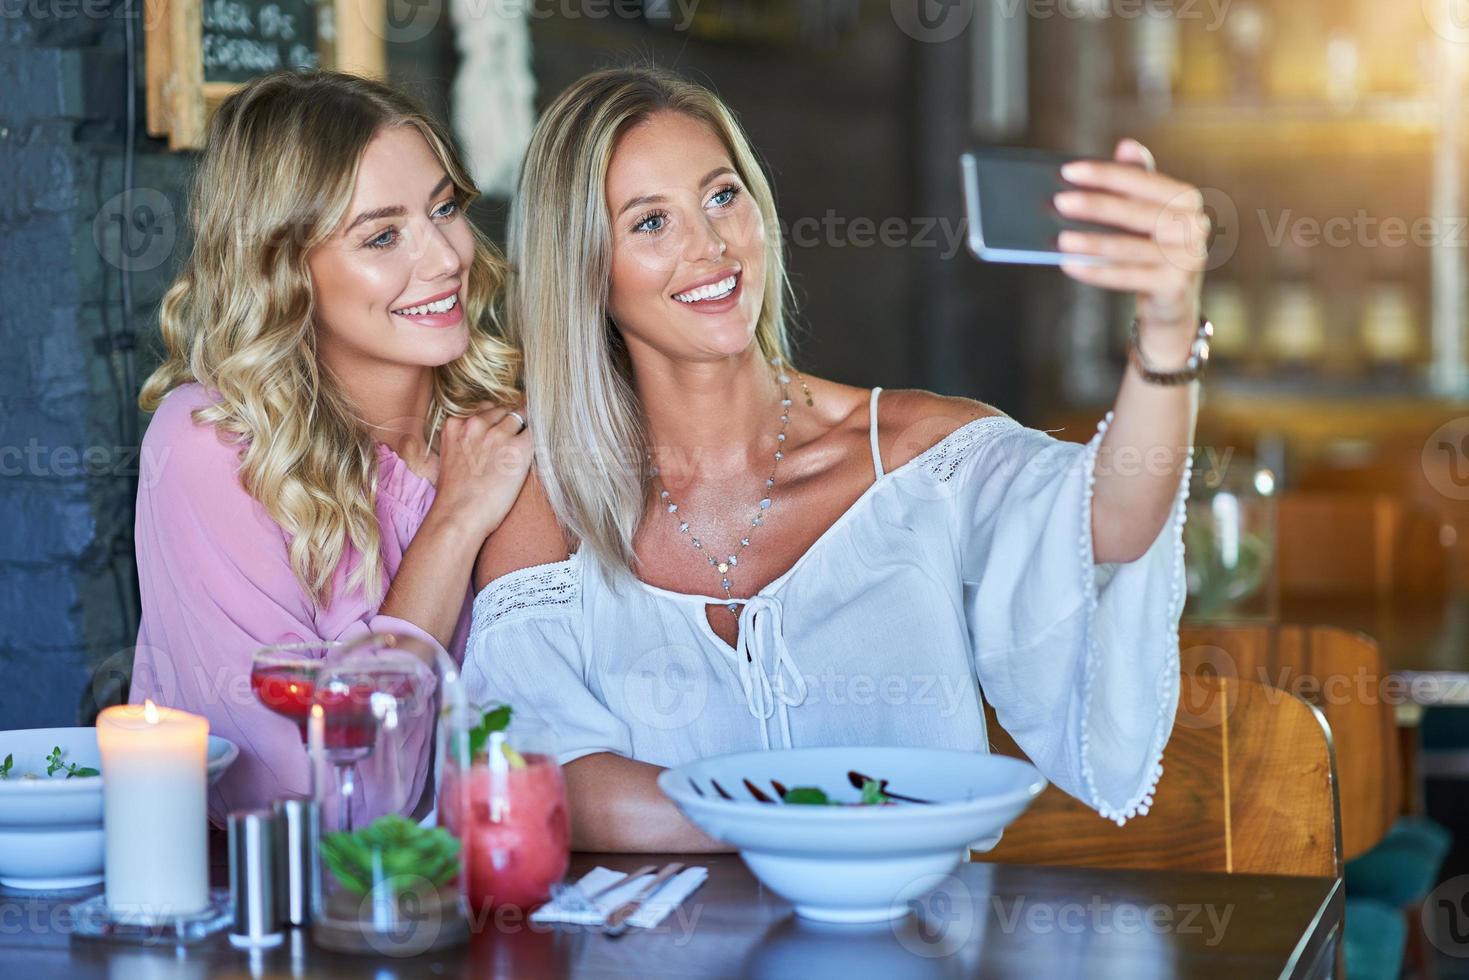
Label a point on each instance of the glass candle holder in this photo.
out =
(390, 877)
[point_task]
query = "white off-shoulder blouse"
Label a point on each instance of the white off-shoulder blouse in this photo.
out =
(967, 569)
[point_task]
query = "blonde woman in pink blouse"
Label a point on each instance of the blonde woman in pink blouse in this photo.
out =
(333, 438)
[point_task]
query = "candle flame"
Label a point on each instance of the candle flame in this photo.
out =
(150, 712)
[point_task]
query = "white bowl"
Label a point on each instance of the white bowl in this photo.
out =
(51, 826)
(855, 864)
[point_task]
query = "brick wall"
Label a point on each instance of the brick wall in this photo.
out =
(68, 422)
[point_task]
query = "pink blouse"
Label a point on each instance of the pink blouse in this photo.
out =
(217, 584)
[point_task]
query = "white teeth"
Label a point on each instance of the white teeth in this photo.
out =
(716, 290)
(438, 306)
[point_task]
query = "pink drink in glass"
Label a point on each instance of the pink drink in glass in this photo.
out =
(518, 839)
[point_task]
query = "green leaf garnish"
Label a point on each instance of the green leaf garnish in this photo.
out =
(812, 795)
(494, 720)
(402, 851)
(872, 795)
(5, 766)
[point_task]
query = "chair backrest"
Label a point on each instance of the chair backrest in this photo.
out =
(1372, 545)
(1248, 786)
(1341, 673)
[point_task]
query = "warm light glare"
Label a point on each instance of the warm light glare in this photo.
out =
(150, 712)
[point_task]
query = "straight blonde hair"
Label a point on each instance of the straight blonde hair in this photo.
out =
(588, 426)
(274, 181)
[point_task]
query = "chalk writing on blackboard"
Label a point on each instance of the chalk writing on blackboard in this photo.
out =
(243, 38)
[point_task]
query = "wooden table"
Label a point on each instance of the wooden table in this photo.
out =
(995, 920)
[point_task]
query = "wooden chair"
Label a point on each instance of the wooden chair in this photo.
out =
(1341, 673)
(1368, 545)
(1248, 786)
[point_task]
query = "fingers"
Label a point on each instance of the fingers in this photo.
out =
(1129, 214)
(1132, 181)
(1119, 248)
(1128, 278)
(1131, 151)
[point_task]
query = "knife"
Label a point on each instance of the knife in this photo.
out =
(617, 918)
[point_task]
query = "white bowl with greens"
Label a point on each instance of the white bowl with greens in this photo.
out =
(51, 805)
(853, 834)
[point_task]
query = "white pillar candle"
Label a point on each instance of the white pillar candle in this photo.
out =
(154, 779)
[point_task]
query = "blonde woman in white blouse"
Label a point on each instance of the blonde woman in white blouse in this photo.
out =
(720, 554)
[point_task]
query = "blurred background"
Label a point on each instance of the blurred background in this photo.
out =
(1331, 481)
(1332, 476)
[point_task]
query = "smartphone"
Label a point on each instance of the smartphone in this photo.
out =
(1007, 201)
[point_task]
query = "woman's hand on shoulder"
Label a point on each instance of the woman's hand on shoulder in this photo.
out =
(911, 422)
(483, 462)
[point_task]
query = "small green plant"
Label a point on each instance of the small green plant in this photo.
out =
(5, 766)
(55, 764)
(394, 851)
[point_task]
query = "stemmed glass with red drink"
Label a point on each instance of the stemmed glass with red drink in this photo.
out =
(283, 677)
(373, 689)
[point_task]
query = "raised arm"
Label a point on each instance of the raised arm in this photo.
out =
(1160, 255)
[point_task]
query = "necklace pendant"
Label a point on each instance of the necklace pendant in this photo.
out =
(723, 567)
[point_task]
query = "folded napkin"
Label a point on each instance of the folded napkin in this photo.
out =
(655, 907)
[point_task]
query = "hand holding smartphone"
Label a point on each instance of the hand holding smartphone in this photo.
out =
(1008, 202)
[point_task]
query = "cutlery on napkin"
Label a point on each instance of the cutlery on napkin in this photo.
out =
(612, 892)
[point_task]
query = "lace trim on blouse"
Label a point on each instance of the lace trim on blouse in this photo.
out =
(1141, 800)
(527, 590)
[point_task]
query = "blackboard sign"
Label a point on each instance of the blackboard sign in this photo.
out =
(198, 52)
(245, 38)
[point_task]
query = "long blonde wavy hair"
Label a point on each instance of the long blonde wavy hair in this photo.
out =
(275, 179)
(588, 429)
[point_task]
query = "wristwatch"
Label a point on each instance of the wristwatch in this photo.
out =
(1198, 358)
